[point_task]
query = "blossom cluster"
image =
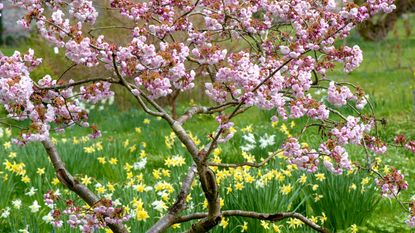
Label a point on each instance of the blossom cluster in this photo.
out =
(392, 183)
(401, 140)
(41, 102)
(96, 217)
(303, 157)
(277, 65)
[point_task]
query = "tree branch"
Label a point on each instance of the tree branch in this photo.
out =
(180, 204)
(70, 182)
(76, 83)
(205, 110)
(261, 216)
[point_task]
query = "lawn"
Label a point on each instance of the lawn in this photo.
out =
(138, 162)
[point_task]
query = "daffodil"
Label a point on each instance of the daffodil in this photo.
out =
(55, 181)
(365, 181)
(320, 176)
(353, 228)
(276, 228)
(224, 223)
(286, 189)
(40, 171)
(265, 224)
(101, 160)
(244, 227)
(34, 207)
(302, 179)
(113, 161)
(141, 215)
(86, 180)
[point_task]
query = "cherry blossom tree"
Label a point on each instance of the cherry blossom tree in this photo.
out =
(286, 49)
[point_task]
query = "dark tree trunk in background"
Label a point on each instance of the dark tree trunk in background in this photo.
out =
(1, 28)
(377, 28)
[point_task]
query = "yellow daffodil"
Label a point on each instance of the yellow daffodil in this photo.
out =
(86, 180)
(302, 179)
(40, 171)
(265, 224)
(276, 228)
(286, 189)
(353, 228)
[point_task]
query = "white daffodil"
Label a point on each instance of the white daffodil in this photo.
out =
(31, 192)
(250, 138)
(248, 147)
(17, 203)
(140, 165)
(6, 213)
(160, 206)
(34, 207)
(25, 230)
(116, 202)
(48, 218)
(266, 141)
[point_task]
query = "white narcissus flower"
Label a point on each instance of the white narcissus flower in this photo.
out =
(160, 206)
(25, 230)
(17, 203)
(251, 142)
(31, 192)
(259, 183)
(140, 165)
(266, 141)
(250, 138)
(248, 147)
(6, 213)
(48, 218)
(57, 192)
(117, 202)
(34, 207)
(108, 196)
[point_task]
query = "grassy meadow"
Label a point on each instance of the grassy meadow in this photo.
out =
(138, 162)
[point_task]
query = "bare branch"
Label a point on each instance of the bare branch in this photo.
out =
(261, 216)
(76, 83)
(67, 70)
(204, 110)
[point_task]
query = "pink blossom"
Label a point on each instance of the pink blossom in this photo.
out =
(338, 95)
(392, 183)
